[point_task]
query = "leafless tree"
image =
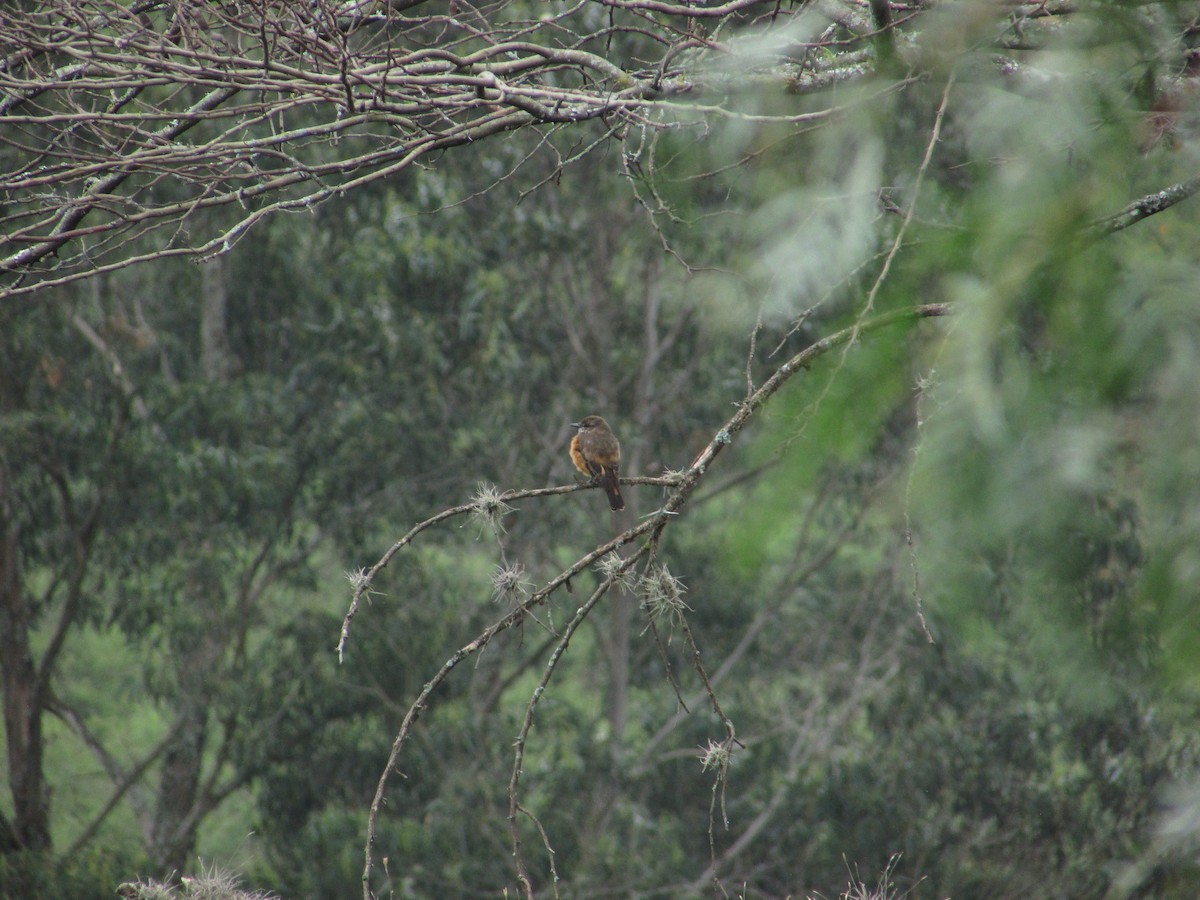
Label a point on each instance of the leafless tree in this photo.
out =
(125, 122)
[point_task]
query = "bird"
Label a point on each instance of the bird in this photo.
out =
(596, 453)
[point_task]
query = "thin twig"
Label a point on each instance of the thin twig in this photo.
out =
(934, 136)
(514, 781)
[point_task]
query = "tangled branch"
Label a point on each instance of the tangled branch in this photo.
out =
(141, 131)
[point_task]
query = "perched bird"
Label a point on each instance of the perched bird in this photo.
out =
(596, 453)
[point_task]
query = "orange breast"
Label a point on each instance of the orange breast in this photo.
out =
(577, 456)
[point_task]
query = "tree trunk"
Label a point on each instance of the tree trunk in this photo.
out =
(216, 355)
(175, 822)
(182, 802)
(617, 702)
(23, 697)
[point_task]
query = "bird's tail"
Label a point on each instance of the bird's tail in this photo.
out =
(613, 488)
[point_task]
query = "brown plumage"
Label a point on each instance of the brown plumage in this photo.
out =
(596, 453)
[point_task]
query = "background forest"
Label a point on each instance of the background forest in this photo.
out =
(895, 309)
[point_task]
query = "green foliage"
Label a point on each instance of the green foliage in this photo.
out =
(89, 876)
(1039, 436)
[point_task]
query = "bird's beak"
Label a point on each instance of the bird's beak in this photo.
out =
(576, 425)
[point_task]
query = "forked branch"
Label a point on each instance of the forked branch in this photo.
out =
(650, 529)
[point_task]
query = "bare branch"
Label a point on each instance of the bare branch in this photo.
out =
(364, 580)
(514, 805)
(1144, 207)
(126, 124)
(651, 529)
